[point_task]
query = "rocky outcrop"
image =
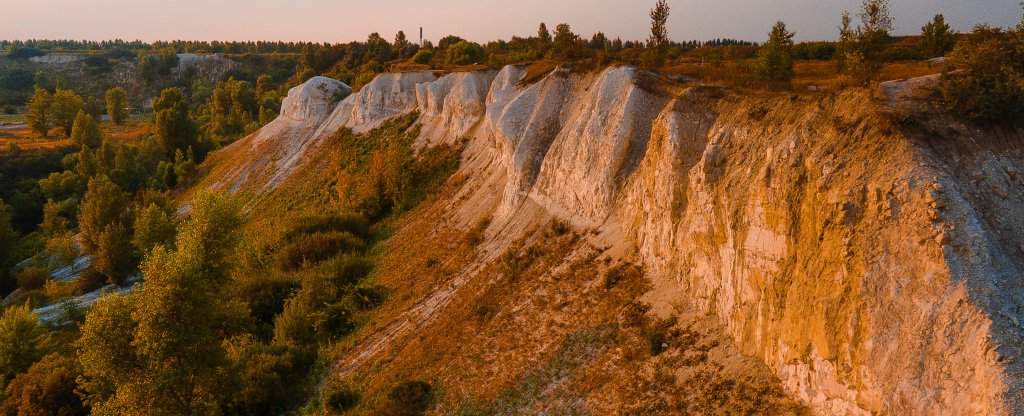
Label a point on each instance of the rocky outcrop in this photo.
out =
(266, 158)
(452, 105)
(873, 266)
(387, 96)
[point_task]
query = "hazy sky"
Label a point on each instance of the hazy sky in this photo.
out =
(480, 20)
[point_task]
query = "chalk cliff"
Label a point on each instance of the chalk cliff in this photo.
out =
(874, 265)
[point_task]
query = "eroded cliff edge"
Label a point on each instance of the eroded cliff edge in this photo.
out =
(871, 260)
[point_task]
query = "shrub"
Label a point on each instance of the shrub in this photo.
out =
(423, 56)
(991, 86)
(293, 325)
(90, 280)
(351, 222)
(316, 247)
(560, 227)
(271, 376)
(47, 388)
(32, 278)
(334, 321)
(365, 298)
(658, 336)
(465, 53)
(619, 273)
(411, 397)
(475, 235)
(350, 269)
(265, 292)
(340, 398)
(23, 340)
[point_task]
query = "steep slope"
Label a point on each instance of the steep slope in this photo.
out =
(873, 264)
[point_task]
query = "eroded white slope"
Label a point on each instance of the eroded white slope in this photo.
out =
(867, 279)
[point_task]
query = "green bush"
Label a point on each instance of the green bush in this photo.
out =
(465, 53)
(411, 397)
(316, 247)
(364, 298)
(351, 222)
(47, 388)
(340, 398)
(423, 56)
(334, 321)
(271, 377)
(349, 269)
(32, 278)
(265, 292)
(293, 325)
(990, 87)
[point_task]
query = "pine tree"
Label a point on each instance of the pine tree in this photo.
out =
(543, 39)
(775, 58)
(936, 37)
(658, 42)
(873, 31)
(38, 114)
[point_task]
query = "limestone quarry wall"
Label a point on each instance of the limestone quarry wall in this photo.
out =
(871, 269)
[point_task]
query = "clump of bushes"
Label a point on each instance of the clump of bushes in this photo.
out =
(316, 247)
(351, 222)
(47, 388)
(340, 398)
(659, 336)
(410, 397)
(32, 278)
(990, 84)
(619, 273)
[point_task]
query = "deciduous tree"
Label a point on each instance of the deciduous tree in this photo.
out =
(103, 204)
(117, 105)
(38, 115)
(23, 340)
(86, 131)
(65, 107)
(174, 128)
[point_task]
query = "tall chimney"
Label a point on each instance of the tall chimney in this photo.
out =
(421, 36)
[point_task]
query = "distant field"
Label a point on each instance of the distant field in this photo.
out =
(26, 139)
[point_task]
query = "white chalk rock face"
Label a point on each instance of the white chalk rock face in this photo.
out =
(452, 105)
(387, 96)
(524, 129)
(604, 138)
(505, 85)
(314, 99)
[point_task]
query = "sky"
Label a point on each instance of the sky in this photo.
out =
(479, 20)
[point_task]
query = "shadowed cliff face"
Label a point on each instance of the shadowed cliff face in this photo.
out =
(874, 267)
